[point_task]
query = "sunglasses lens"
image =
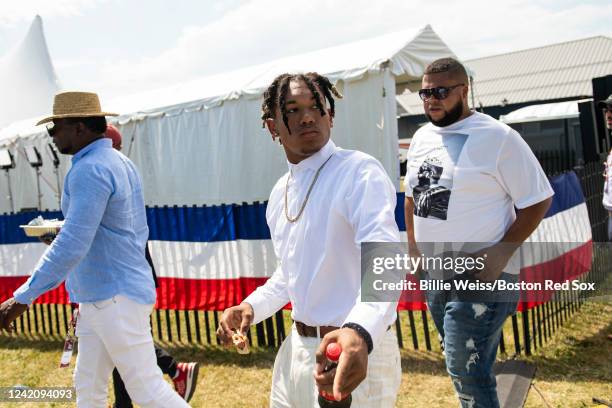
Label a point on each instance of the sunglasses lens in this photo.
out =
(438, 93)
(441, 92)
(424, 94)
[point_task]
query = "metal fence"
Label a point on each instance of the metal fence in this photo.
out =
(524, 332)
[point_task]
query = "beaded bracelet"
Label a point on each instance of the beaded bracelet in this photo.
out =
(361, 332)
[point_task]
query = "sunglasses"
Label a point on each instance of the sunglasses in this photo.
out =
(440, 92)
(51, 129)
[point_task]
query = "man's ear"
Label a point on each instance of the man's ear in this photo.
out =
(331, 118)
(80, 127)
(271, 125)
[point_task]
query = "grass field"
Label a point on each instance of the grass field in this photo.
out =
(571, 369)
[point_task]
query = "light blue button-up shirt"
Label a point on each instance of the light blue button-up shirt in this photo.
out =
(100, 249)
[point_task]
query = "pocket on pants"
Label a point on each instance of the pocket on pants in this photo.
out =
(104, 304)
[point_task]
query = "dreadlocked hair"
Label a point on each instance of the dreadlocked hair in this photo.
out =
(276, 95)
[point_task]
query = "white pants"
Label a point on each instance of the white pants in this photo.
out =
(293, 383)
(116, 333)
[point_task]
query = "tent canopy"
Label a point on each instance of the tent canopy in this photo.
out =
(406, 53)
(545, 111)
(27, 78)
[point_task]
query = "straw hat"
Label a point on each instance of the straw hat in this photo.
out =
(75, 105)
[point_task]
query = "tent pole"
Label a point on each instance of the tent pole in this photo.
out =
(59, 191)
(38, 188)
(10, 192)
(472, 92)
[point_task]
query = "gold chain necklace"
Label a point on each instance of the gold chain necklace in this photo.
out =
(314, 180)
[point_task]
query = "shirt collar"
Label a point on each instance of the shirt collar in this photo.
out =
(98, 144)
(316, 160)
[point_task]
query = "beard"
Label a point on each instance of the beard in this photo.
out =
(450, 117)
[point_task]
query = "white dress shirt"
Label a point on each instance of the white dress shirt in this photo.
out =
(353, 201)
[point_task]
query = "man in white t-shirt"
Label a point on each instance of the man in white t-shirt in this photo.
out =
(607, 193)
(470, 179)
(320, 212)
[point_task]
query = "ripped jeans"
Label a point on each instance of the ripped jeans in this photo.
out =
(471, 332)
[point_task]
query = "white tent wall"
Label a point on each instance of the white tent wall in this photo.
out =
(222, 155)
(209, 156)
(23, 176)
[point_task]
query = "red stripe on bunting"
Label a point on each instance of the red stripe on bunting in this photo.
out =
(8, 285)
(204, 294)
(219, 294)
(568, 266)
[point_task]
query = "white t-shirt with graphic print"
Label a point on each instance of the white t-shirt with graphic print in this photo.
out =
(467, 178)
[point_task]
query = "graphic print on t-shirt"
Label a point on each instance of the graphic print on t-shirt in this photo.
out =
(435, 178)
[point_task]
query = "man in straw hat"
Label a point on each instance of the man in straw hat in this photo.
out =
(100, 253)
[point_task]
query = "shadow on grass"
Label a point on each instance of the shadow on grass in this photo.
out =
(216, 355)
(576, 358)
(427, 362)
(423, 362)
(577, 353)
(41, 342)
(209, 355)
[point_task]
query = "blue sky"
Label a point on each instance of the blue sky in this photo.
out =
(126, 46)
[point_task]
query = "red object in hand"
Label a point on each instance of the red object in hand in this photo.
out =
(333, 351)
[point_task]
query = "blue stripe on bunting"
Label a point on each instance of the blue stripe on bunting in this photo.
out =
(208, 224)
(399, 212)
(246, 221)
(568, 193)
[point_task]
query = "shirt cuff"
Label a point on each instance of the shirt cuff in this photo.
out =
(369, 316)
(260, 305)
(24, 295)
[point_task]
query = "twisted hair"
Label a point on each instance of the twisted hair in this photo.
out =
(276, 95)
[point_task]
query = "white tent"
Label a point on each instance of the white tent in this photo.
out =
(27, 78)
(28, 82)
(202, 142)
(545, 111)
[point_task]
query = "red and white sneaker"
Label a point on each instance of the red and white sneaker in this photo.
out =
(185, 379)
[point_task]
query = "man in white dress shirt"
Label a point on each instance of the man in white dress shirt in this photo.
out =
(319, 213)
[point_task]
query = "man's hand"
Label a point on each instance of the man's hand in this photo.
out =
(234, 318)
(352, 365)
(498, 255)
(496, 258)
(9, 311)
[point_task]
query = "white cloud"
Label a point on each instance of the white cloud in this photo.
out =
(14, 12)
(261, 30)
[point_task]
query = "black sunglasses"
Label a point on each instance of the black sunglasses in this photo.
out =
(51, 129)
(440, 92)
